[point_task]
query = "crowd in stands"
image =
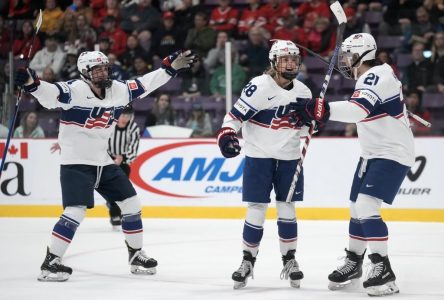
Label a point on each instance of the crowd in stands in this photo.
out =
(137, 34)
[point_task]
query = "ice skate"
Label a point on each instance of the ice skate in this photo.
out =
(140, 263)
(245, 270)
(53, 270)
(348, 274)
(381, 279)
(291, 269)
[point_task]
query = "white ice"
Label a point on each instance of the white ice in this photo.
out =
(196, 259)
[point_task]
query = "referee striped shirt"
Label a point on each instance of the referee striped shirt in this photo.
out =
(125, 142)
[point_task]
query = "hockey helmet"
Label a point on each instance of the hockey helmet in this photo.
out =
(87, 61)
(356, 49)
(284, 48)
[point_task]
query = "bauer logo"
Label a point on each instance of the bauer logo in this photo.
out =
(187, 169)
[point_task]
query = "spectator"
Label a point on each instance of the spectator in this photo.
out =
(50, 56)
(224, 17)
(384, 57)
(29, 127)
(82, 36)
(3, 131)
(72, 12)
(48, 75)
(322, 38)
(310, 11)
(140, 16)
(21, 9)
(132, 51)
(117, 72)
(111, 8)
(201, 38)
(105, 45)
(163, 110)
(168, 37)
(216, 56)
(5, 39)
(355, 23)
(139, 68)
(438, 63)
(22, 43)
(420, 31)
(271, 13)
(289, 30)
(217, 80)
(304, 77)
(52, 18)
(186, 12)
(116, 35)
(199, 121)
(195, 81)
(397, 15)
(249, 18)
(254, 58)
(414, 105)
(69, 70)
(418, 74)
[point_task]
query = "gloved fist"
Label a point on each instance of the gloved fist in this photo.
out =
(228, 142)
(178, 61)
(307, 110)
(27, 79)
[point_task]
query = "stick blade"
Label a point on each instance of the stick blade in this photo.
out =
(39, 21)
(339, 13)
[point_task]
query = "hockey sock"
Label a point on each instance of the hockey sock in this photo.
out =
(288, 234)
(252, 236)
(376, 233)
(65, 228)
(357, 242)
(133, 230)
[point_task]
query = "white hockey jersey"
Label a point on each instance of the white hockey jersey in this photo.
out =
(262, 113)
(385, 131)
(87, 122)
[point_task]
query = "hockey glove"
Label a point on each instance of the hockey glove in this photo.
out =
(305, 111)
(22, 79)
(228, 142)
(178, 61)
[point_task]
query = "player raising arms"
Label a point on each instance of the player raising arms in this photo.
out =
(90, 108)
(378, 109)
(272, 153)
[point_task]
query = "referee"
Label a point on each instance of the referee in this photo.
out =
(122, 147)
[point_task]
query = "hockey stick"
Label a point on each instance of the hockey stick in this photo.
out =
(339, 13)
(412, 115)
(14, 116)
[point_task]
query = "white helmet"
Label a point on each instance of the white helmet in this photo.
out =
(87, 61)
(281, 48)
(356, 49)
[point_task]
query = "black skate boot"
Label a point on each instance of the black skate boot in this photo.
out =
(291, 269)
(381, 279)
(53, 270)
(140, 263)
(245, 270)
(115, 217)
(347, 274)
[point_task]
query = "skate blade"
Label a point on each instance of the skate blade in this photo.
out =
(136, 270)
(350, 284)
(239, 284)
(387, 289)
(295, 283)
(53, 277)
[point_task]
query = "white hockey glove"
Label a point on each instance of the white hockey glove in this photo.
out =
(178, 61)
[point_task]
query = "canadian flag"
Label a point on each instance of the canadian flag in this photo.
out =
(22, 150)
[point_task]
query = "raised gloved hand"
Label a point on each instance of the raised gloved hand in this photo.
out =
(27, 79)
(178, 61)
(307, 110)
(228, 142)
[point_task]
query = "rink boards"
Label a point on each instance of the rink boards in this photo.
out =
(188, 178)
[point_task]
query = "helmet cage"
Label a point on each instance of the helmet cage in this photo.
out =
(87, 75)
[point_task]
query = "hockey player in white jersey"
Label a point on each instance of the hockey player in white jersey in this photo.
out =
(378, 109)
(272, 153)
(90, 108)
